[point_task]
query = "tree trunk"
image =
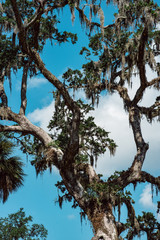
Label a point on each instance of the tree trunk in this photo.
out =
(104, 226)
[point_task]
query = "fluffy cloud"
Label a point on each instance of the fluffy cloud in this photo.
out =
(146, 198)
(32, 83)
(147, 202)
(111, 116)
(42, 116)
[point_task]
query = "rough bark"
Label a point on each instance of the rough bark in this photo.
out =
(142, 147)
(104, 226)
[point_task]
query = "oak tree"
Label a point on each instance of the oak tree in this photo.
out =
(121, 49)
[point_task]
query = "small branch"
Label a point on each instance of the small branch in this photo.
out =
(155, 82)
(40, 11)
(150, 179)
(89, 23)
(24, 89)
(3, 95)
(132, 215)
(85, 19)
(120, 227)
(152, 111)
(13, 128)
(56, 6)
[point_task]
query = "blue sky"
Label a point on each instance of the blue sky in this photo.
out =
(38, 195)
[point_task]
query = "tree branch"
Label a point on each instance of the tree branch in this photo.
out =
(3, 95)
(12, 128)
(123, 92)
(20, 25)
(24, 89)
(132, 215)
(41, 10)
(141, 67)
(154, 82)
(24, 125)
(152, 111)
(89, 23)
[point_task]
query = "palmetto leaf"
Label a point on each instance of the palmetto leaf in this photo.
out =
(11, 171)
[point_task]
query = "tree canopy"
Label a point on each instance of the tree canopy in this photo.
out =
(114, 54)
(17, 226)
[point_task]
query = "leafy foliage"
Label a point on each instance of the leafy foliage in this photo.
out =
(148, 224)
(11, 171)
(18, 226)
(93, 139)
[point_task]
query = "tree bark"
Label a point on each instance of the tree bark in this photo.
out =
(142, 147)
(104, 226)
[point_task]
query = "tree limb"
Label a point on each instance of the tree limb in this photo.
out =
(24, 89)
(141, 67)
(154, 82)
(20, 25)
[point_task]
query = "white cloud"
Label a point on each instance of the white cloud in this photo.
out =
(147, 202)
(32, 83)
(146, 198)
(111, 116)
(36, 82)
(42, 116)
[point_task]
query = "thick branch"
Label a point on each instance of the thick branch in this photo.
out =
(12, 128)
(142, 147)
(20, 25)
(24, 125)
(129, 176)
(123, 92)
(141, 67)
